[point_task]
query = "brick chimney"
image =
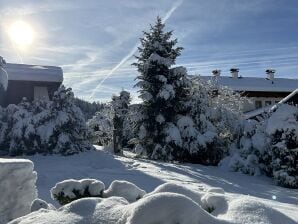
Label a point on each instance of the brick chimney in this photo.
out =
(235, 72)
(270, 74)
(216, 72)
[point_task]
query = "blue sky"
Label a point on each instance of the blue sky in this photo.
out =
(94, 40)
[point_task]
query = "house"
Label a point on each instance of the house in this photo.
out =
(258, 114)
(30, 81)
(262, 91)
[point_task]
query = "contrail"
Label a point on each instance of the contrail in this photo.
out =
(134, 49)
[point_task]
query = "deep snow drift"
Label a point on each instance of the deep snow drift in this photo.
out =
(224, 194)
(17, 188)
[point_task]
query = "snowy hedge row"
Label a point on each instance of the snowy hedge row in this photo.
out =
(269, 147)
(56, 126)
(17, 187)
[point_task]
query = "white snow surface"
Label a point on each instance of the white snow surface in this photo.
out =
(17, 187)
(124, 189)
(237, 198)
(24, 72)
(256, 83)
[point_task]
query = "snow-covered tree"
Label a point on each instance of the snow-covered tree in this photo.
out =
(282, 126)
(158, 134)
(101, 127)
(56, 126)
(120, 105)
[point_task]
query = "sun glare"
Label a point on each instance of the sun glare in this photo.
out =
(21, 34)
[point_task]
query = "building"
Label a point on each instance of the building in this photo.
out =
(30, 81)
(263, 92)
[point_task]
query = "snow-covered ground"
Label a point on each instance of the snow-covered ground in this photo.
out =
(147, 175)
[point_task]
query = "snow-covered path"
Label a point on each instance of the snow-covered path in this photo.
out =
(149, 174)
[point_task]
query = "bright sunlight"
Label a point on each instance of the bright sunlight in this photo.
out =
(21, 34)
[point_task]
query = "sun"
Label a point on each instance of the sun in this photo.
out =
(21, 34)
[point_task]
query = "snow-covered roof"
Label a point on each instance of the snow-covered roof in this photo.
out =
(23, 72)
(256, 84)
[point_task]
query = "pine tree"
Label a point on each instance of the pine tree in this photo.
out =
(158, 134)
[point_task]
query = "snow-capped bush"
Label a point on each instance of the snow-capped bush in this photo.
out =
(214, 203)
(101, 127)
(282, 126)
(268, 147)
(70, 190)
(124, 189)
(56, 126)
(39, 204)
(17, 187)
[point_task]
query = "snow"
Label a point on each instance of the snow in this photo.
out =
(154, 57)
(186, 184)
(285, 114)
(24, 72)
(66, 188)
(124, 189)
(18, 182)
(256, 84)
(39, 204)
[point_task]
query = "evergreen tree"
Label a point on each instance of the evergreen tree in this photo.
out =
(120, 106)
(156, 56)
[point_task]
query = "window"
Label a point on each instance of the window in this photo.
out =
(258, 104)
(268, 103)
(41, 92)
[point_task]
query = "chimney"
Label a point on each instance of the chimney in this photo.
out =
(216, 72)
(234, 72)
(270, 74)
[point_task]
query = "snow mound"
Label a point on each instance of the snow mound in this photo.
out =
(214, 203)
(124, 189)
(39, 204)
(175, 188)
(17, 187)
(217, 190)
(167, 208)
(250, 211)
(71, 189)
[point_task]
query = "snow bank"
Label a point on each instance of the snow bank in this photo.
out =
(248, 210)
(71, 189)
(214, 203)
(165, 208)
(17, 187)
(175, 188)
(124, 189)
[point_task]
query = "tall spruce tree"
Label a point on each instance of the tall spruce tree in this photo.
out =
(158, 135)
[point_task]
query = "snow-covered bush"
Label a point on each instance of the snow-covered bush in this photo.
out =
(101, 127)
(282, 126)
(268, 147)
(56, 126)
(39, 204)
(124, 189)
(17, 187)
(70, 190)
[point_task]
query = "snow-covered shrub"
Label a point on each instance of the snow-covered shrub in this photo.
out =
(178, 189)
(214, 203)
(268, 147)
(70, 190)
(101, 127)
(282, 126)
(39, 204)
(124, 189)
(56, 126)
(17, 187)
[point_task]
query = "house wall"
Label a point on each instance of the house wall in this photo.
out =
(17, 90)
